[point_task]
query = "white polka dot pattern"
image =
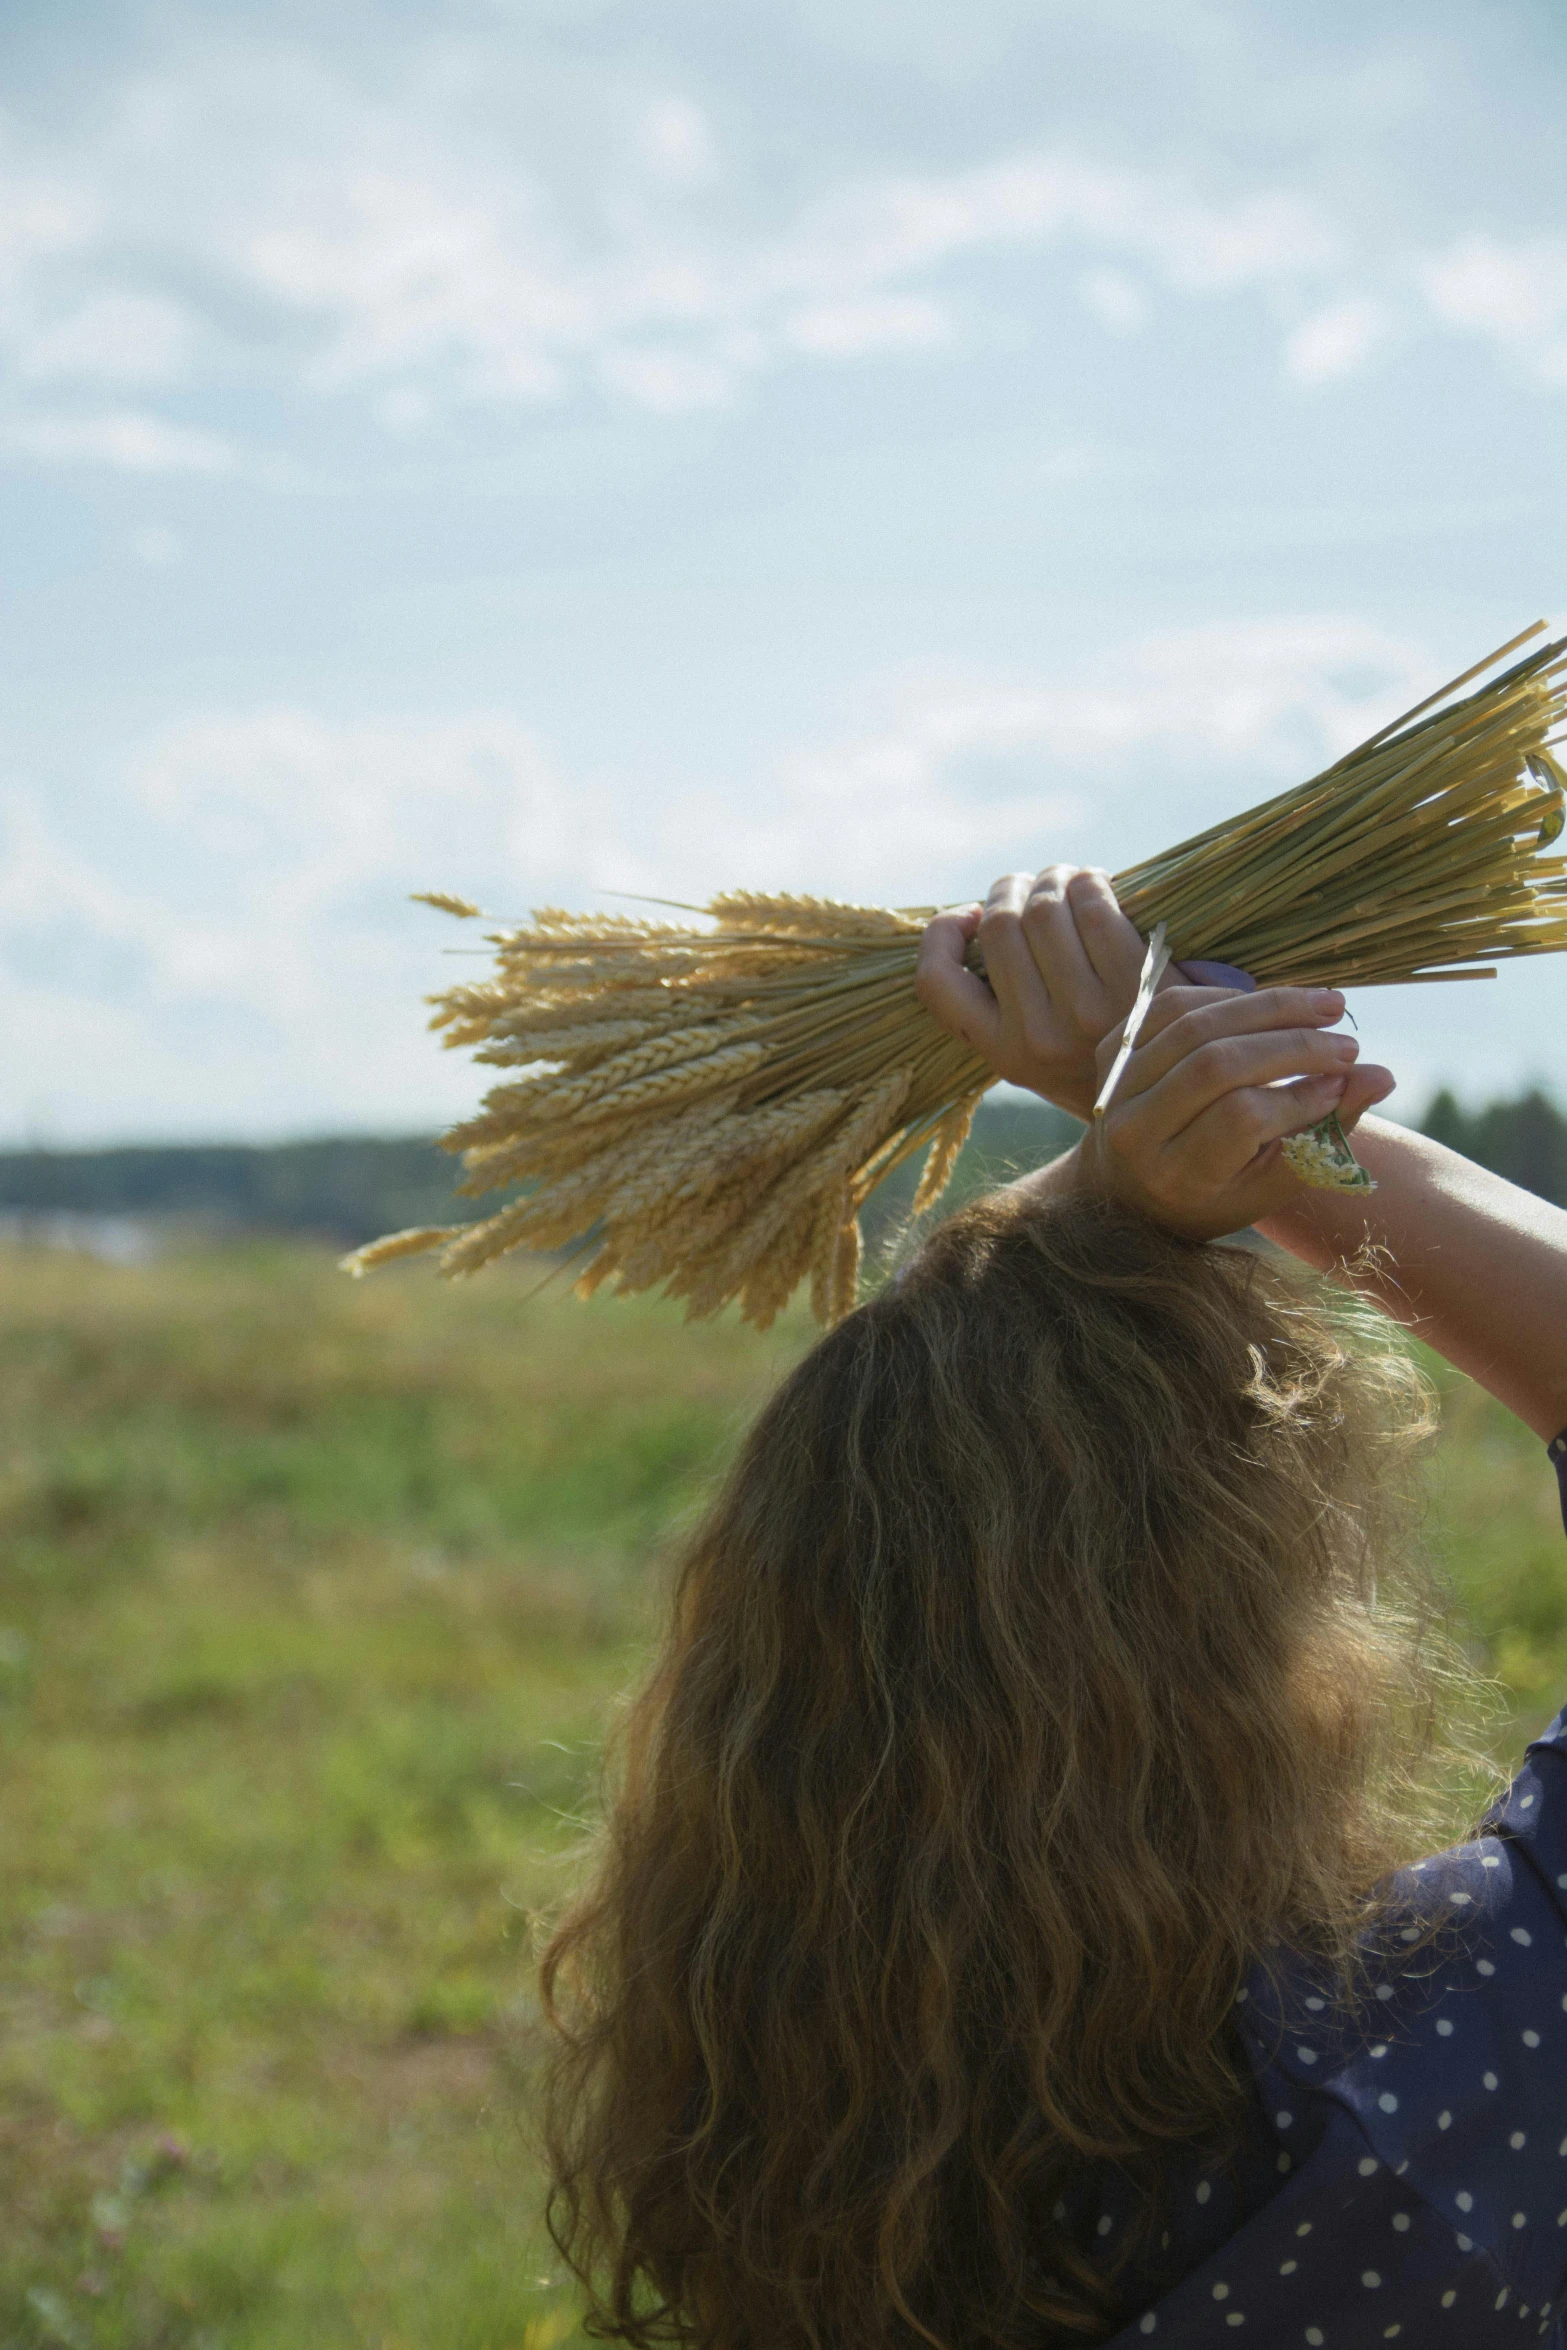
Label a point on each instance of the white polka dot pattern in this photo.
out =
(1440, 2095)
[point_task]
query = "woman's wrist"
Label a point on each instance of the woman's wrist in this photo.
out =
(1325, 1228)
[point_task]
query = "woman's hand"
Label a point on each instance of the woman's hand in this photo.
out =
(1218, 1079)
(1062, 962)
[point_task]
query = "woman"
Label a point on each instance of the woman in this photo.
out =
(1008, 1927)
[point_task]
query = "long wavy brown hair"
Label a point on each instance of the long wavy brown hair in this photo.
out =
(1053, 1651)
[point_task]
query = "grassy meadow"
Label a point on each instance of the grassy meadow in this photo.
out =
(313, 1597)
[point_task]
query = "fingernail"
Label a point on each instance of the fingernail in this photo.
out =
(1345, 1047)
(1327, 1000)
(1332, 1087)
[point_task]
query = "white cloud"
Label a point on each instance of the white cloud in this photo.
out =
(1335, 342)
(1512, 295)
(401, 274)
(678, 141)
(410, 248)
(467, 274)
(233, 903)
(112, 337)
(251, 856)
(43, 218)
(421, 240)
(157, 546)
(1115, 299)
(671, 381)
(884, 322)
(1259, 691)
(961, 775)
(890, 229)
(46, 876)
(126, 440)
(311, 821)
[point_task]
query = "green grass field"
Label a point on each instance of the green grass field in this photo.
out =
(313, 1597)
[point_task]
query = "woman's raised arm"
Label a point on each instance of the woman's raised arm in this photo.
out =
(1476, 1267)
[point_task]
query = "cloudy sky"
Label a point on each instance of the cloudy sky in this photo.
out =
(545, 447)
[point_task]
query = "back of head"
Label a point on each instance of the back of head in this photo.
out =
(1025, 1682)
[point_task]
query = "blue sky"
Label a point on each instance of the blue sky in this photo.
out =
(538, 450)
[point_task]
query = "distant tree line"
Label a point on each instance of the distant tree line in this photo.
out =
(1525, 1140)
(346, 1190)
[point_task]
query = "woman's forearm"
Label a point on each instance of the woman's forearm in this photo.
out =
(1476, 1267)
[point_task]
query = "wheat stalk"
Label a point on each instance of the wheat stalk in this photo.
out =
(713, 1099)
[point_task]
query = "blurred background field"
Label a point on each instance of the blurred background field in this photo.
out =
(315, 1599)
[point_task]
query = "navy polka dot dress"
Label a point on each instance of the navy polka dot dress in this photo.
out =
(1407, 2177)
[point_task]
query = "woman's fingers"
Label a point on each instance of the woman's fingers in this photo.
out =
(1010, 961)
(1113, 945)
(955, 996)
(1228, 1137)
(1235, 1135)
(1184, 1020)
(1229, 1010)
(1171, 1004)
(1369, 1084)
(1049, 923)
(1230, 1064)
(1091, 956)
(1058, 938)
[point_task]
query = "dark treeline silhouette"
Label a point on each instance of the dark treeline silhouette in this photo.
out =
(1525, 1140)
(343, 1189)
(346, 1190)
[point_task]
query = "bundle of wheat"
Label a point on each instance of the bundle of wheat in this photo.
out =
(710, 1103)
